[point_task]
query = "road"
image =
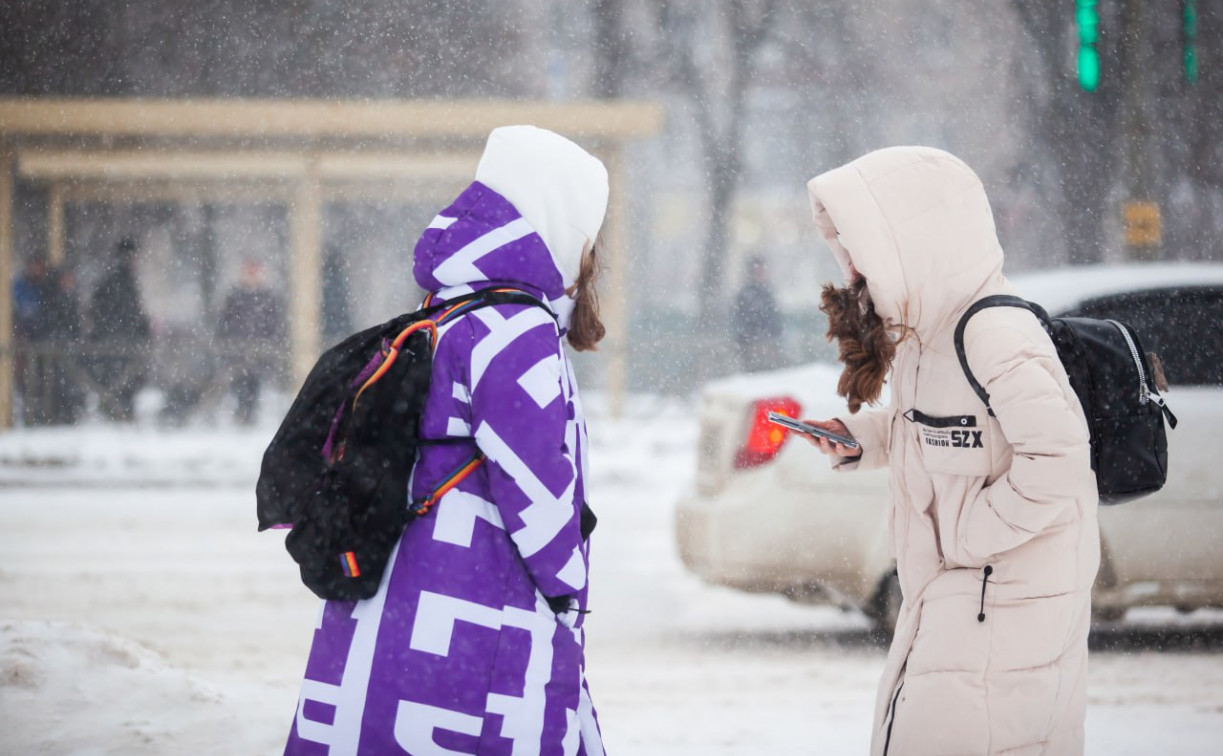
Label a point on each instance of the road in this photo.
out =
(143, 614)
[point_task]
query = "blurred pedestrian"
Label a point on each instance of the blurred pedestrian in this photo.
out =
(119, 328)
(30, 291)
(252, 330)
(63, 336)
(993, 518)
(474, 642)
(47, 326)
(756, 320)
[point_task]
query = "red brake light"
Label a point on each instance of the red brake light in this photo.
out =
(765, 439)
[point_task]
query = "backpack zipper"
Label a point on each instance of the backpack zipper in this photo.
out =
(1144, 392)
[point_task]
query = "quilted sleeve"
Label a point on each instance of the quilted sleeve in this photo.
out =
(521, 418)
(1042, 421)
(873, 429)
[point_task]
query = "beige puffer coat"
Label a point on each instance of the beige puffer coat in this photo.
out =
(993, 520)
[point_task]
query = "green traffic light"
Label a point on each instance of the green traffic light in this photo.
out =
(1089, 68)
(1088, 21)
(1191, 33)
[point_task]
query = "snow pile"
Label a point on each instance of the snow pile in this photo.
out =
(66, 688)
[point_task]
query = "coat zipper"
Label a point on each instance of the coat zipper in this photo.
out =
(988, 571)
(887, 741)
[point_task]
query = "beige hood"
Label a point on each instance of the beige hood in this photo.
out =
(909, 218)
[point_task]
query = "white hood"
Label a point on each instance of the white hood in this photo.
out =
(557, 186)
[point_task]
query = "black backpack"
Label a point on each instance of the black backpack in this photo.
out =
(1115, 383)
(337, 470)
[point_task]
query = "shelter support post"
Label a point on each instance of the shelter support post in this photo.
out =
(305, 280)
(6, 285)
(299, 153)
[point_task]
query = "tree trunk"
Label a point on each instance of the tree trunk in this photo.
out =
(611, 51)
(1077, 128)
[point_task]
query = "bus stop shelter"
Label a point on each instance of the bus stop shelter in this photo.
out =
(302, 154)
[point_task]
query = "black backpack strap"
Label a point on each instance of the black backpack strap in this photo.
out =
(454, 308)
(512, 296)
(997, 300)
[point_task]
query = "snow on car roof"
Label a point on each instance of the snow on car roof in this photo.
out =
(1059, 289)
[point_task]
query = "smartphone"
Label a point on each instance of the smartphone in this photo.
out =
(811, 430)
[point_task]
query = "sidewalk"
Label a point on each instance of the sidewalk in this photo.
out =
(96, 454)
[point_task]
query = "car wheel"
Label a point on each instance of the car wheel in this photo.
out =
(884, 607)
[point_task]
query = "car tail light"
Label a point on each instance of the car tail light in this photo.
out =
(765, 439)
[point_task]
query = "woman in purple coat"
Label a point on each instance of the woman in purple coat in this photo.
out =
(474, 641)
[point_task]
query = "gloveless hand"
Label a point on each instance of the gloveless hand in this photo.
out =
(828, 447)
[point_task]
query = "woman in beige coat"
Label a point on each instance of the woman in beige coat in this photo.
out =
(993, 519)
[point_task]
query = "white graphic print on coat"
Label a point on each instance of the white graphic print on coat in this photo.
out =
(544, 517)
(461, 267)
(437, 614)
(547, 513)
(456, 522)
(467, 655)
(436, 617)
(347, 698)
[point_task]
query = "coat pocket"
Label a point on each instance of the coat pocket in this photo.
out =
(953, 444)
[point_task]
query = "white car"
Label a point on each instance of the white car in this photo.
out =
(770, 515)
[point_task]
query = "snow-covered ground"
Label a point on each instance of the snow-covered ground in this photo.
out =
(141, 613)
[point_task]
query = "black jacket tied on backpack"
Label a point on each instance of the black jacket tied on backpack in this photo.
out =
(337, 470)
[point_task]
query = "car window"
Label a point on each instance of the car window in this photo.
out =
(1183, 326)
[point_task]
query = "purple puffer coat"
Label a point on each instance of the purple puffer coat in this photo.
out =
(459, 652)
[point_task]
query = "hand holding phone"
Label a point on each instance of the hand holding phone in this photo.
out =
(811, 430)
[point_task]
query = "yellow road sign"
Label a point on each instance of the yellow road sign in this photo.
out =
(1142, 224)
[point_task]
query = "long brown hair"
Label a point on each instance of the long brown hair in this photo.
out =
(585, 328)
(864, 344)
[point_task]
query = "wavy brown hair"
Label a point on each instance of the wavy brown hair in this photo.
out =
(864, 344)
(585, 328)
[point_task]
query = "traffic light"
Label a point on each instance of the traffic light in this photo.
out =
(1087, 18)
(1191, 35)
